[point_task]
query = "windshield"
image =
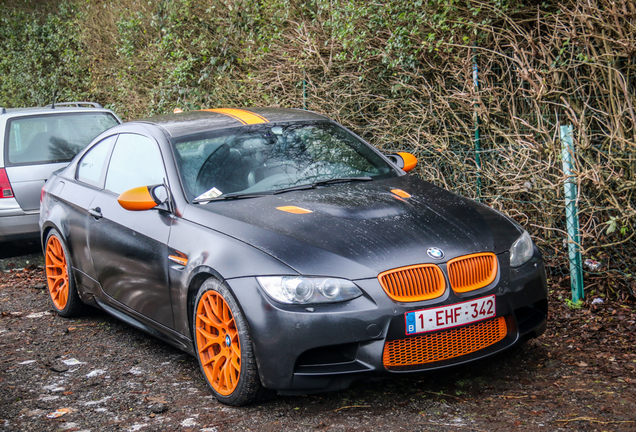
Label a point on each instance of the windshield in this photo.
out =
(272, 157)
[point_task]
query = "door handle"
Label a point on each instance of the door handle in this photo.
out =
(96, 212)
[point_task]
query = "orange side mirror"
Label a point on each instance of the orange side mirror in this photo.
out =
(403, 160)
(142, 197)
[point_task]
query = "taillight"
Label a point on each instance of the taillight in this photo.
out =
(42, 193)
(5, 186)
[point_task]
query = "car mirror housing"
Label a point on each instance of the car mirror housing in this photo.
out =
(143, 197)
(405, 161)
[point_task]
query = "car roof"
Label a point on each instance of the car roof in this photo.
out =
(193, 122)
(18, 112)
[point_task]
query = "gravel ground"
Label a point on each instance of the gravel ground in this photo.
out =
(97, 374)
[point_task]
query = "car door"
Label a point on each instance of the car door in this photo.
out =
(76, 199)
(129, 248)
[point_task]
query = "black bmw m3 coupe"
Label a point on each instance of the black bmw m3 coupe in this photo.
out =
(284, 252)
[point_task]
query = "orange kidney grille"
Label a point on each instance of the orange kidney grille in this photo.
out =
(444, 345)
(413, 283)
(472, 272)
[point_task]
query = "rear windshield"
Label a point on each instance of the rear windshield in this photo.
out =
(52, 137)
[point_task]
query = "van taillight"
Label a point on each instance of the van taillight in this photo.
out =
(5, 186)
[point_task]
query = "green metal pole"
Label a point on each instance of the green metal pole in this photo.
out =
(571, 214)
(477, 131)
(304, 93)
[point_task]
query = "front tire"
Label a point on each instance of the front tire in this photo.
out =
(224, 347)
(59, 277)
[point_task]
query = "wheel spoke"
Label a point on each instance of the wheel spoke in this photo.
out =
(56, 280)
(210, 340)
(235, 360)
(214, 360)
(217, 367)
(209, 313)
(228, 375)
(217, 309)
(63, 296)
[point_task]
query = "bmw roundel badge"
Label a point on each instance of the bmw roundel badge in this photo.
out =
(435, 253)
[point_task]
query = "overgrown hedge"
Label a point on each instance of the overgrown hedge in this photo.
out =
(399, 73)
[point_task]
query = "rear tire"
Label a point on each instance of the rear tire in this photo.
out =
(59, 277)
(224, 347)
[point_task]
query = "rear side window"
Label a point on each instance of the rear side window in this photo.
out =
(92, 167)
(52, 137)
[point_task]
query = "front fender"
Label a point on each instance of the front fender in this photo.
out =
(209, 253)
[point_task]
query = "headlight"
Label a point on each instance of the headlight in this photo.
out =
(521, 250)
(305, 290)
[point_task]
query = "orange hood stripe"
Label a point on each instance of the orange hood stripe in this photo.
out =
(294, 209)
(401, 193)
(245, 117)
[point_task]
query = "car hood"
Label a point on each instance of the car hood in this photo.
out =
(358, 230)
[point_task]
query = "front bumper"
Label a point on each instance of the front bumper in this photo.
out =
(324, 347)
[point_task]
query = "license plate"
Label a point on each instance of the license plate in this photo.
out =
(439, 318)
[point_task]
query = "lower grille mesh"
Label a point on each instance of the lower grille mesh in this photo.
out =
(443, 345)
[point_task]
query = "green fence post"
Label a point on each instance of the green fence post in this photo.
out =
(571, 214)
(304, 93)
(477, 132)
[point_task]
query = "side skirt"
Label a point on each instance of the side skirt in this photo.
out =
(140, 322)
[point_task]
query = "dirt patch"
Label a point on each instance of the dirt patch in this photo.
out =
(96, 373)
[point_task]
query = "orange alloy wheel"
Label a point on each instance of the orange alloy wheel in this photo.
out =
(218, 343)
(56, 272)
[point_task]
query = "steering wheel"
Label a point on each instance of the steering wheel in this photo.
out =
(209, 170)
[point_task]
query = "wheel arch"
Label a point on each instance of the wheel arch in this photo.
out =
(196, 279)
(44, 232)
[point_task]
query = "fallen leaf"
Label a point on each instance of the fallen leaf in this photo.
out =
(58, 413)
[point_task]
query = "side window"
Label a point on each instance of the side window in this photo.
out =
(136, 161)
(93, 164)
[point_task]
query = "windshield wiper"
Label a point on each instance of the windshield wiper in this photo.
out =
(294, 188)
(235, 195)
(341, 180)
(321, 183)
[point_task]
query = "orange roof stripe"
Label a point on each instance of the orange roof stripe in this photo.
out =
(245, 117)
